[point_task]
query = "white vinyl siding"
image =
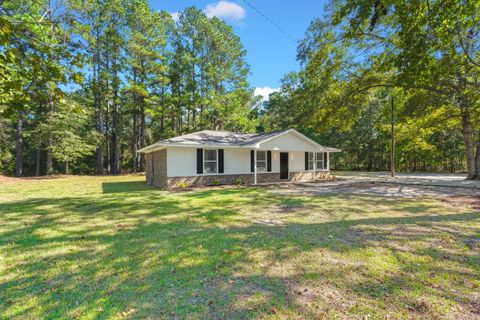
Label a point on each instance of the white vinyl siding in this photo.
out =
(296, 161)
(236, 161)
(181, 161)
(288, 142)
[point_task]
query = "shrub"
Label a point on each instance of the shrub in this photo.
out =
(181, 185)
(216, 182)
(238, 181)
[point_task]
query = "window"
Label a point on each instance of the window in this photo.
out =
(311, 159)
(317, 159)
(320, 161)
(210, 164)
(261, 161)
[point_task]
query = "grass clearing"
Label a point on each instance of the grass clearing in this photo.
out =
(115, 248)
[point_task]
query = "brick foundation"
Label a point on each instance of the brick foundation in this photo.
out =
(309, 175)
(244, 179)
(156, 168)
(222, 179)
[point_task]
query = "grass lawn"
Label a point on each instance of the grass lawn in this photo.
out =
(114, 248)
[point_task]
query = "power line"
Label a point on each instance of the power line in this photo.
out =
(269, 20)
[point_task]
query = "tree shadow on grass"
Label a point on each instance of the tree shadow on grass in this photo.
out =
(126, 186)
(166, 257)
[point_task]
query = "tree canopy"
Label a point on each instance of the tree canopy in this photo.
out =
(424, 54)
(97, 80)
(85, 84)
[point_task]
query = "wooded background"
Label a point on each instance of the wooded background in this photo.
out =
(86, 83)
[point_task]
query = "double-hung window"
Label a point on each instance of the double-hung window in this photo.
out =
(311, 160)
(210, 163)
(261, 161)
(319, 159)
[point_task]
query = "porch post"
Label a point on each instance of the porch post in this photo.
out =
(328, 161)
(314, 166)
(254, 166)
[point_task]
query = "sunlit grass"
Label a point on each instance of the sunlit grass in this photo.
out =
(114, 248)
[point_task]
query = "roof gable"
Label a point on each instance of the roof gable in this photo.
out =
(291, 140)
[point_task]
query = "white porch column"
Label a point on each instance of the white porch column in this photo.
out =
(314, 165)
(328, 161)
(254, 166)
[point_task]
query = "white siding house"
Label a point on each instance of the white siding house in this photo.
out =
(218, 157)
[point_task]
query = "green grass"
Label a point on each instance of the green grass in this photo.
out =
(114, 248)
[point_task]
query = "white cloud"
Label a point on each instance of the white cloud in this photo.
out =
(265, 92)
(226, 10)
(175, 15)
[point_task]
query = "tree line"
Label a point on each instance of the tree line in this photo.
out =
(423, 54)
(87, 83)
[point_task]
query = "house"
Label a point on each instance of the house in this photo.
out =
(218, 157)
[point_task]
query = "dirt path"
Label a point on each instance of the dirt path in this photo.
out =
(5, 179)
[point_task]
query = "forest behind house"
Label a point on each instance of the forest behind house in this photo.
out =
(84, 84)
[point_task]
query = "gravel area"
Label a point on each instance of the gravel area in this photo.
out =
(390, 190)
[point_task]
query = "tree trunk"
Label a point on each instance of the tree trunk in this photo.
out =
(107, 110)
(142, 137)
(99, 145)
(134, 142)
(477, 158)
(19, 146)
(66, 167)
(107, 136)
(49, 159)
(469, 147)
(392, 154)
(97, 104)
(116, 141)
(37, 161)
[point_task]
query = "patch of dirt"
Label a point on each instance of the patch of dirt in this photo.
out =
(288, 208)
(271, 223)
(5, 179)
(469, 201)
(473, 244)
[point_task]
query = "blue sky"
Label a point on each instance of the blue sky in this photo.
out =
(270, 53)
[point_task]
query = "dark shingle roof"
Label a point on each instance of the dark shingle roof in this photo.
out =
(220, 138)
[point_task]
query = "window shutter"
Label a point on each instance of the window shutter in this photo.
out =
(199, 161)
(252, 164)
(220, 160)
(269, 160)
(306, 161)
(325, 160)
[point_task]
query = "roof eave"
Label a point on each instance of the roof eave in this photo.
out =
(151, 148)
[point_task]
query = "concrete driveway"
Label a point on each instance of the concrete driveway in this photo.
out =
(423, 179)
(381, 184)
(383, 189)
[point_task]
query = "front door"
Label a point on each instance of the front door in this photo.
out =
(283, 165)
